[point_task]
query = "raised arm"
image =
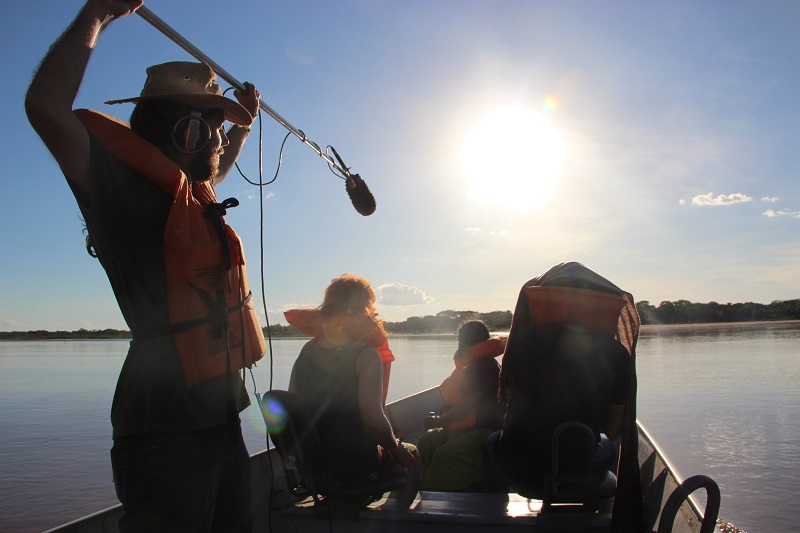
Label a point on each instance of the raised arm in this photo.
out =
(238, 134)
(55, 85)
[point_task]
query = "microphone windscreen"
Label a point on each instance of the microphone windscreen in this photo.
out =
(360, 195)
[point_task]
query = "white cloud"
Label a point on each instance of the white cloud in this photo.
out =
(722, 199)
(770, 199)
(771, 213)
(401, 295)
(9, 324)
(299, 57)
(254, 195)
(480, 231)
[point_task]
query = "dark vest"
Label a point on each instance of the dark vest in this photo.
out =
(327, 385)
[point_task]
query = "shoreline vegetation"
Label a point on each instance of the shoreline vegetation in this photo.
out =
(681, 312)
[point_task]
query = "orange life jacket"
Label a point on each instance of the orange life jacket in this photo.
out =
(451, 386)
(595, 310)
(340, 329)
(210, 310)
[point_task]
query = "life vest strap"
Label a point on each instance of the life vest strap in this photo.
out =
(186, 325)
(214, 212)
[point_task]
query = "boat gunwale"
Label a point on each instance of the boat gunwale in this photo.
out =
(670, 468)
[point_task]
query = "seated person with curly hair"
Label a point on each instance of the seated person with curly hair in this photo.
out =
(339, 381)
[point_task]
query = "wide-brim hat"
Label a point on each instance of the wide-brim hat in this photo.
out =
(194, 84)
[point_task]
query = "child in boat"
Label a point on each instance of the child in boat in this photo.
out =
(339, 380)
(450, 450)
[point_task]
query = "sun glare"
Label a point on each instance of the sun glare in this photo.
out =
(513, 157)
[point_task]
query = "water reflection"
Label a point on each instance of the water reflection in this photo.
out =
(722, 401)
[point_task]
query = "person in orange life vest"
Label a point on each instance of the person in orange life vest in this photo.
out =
(361, 326)
(338, 378)
(450, 388)
(450, 450)
(177, 271)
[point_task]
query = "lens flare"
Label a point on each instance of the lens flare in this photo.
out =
(274, 415)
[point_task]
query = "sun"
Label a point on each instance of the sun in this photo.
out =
(513, 157)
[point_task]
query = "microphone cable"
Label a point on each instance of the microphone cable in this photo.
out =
(333, 169)
(261, 184)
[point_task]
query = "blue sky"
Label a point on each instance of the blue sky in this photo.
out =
(655, 142)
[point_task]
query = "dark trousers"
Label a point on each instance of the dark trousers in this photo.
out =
(183, 482)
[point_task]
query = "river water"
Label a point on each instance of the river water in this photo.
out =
(721, 400)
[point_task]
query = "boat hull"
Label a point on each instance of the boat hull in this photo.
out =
(276, 511)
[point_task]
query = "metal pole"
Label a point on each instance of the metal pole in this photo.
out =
(195, 52)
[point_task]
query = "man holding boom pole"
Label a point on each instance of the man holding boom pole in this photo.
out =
(177, 270)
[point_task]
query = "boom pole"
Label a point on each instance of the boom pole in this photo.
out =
(195, 52)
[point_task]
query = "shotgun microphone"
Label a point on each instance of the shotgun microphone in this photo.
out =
(360, 195)
(357, 190)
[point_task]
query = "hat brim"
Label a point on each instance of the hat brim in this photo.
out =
(234, 111)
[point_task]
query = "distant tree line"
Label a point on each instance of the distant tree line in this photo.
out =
(448, 322)
(686, 312)
(442, 322)
(81, 334)
(679, 312)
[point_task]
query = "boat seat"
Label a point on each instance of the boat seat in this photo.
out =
(574, 481)
(298, 444)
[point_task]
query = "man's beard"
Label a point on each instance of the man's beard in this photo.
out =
(205, 164)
